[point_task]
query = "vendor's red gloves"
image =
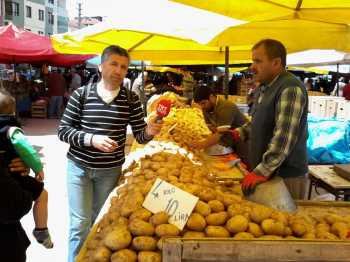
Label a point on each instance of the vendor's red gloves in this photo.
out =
(235, 135)
(250, 181)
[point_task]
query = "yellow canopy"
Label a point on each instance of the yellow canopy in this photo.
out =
(309, 69)
(299, 24)
(157, 48)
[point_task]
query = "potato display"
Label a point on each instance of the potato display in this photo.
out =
(129, 232)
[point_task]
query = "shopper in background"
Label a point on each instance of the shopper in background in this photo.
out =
(278, 131)
(94, 124)
(219, 111)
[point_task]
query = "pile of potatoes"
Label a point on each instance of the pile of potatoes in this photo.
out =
(128, 232)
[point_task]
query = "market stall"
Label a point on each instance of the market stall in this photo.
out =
(169, 190)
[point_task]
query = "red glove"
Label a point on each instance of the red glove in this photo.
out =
(250, 181)
(235, 135)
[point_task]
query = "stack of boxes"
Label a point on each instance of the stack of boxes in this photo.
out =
(329, 107)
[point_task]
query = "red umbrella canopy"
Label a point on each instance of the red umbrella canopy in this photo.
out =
(20, 46)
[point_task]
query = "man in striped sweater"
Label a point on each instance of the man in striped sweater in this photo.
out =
(94, 124)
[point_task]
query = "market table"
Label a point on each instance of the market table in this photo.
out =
(324, 176)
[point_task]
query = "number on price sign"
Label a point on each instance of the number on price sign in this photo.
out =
(178, 204)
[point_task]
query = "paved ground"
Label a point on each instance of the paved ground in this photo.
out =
(42, 134)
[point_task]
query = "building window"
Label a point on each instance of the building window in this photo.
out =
(40, 32)
(27, 29)
(12, 8)
(41, 15)
(51, 18)
(52, 2)
(28, 11)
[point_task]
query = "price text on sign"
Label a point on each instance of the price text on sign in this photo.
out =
(171, 199)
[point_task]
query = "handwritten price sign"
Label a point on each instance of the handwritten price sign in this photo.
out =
(177, 203)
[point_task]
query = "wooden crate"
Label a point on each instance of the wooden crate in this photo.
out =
(230, 250)
(39, 111)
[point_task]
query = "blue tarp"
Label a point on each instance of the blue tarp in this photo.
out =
(328, 141)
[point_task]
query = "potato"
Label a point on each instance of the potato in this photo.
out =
(102, 254)
(237, 224)
(340, 229)
(273, 227)
(299, 229)
(117, 239)
(260, 213)
(255, 230)
(149, 174)
(196, 222)
(243, 235)
(310, 236)
(202, 208)
(142, 214)
(132, 202)
(323, 227)
(167, 230)
(159, 218)
(144, 243)
(148, 256)
(124, 255)
(235, 209)
(229, 199)
(217, 219)
(121, 222)
(332, 218)
(280, 216)
(216, 231)
(216, 205)
(194, 234)
(320, 234)
(207, 194)
(270, 237)
(139, 227)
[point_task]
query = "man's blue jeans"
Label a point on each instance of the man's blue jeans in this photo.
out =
(88, 189)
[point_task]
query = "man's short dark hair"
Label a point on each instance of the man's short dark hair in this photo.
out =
(202, 93)
(114, 49)
(274, 49)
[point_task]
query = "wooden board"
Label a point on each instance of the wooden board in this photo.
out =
(229, 250)
(327, 175)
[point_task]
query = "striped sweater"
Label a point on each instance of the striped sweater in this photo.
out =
(96, 117)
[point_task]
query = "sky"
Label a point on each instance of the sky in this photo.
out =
(160, 16)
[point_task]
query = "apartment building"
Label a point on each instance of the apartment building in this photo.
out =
(44, 17)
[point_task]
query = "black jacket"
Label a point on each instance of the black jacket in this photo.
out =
(14, 204)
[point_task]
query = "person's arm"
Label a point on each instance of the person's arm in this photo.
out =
(143, 133)
(289, 111)
(14, 201)
(24, 149)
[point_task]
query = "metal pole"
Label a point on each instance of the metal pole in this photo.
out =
(79, 15)
(227, 52)
(337, 90)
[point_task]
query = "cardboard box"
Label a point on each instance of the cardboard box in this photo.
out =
(342, 170)
(341, 110)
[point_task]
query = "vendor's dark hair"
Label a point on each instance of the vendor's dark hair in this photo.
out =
(7, 103)
(114, 49)
(274, 49)
(202, 93)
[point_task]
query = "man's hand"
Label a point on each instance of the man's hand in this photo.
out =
(40, 176)
(153, 128)
(104, 143)
(250, 181)
(17, 165)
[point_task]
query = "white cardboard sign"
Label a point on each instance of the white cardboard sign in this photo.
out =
(171, 199)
